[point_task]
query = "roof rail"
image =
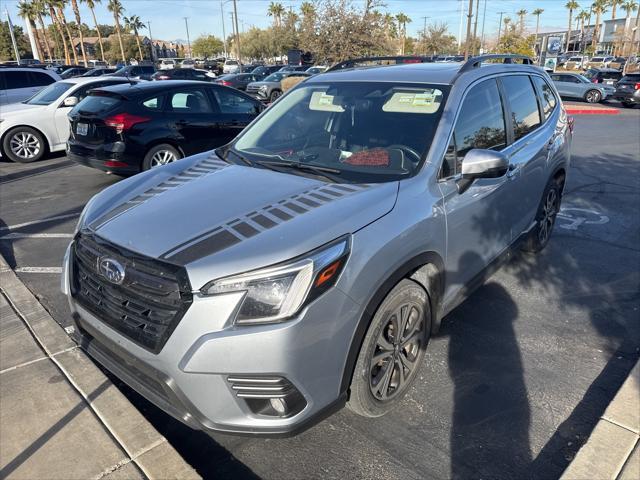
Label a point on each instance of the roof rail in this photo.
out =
(475, 62)
(399, 59)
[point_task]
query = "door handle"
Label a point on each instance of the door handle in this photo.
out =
(513, 170)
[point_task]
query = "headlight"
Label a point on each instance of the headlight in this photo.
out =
(263, 88)
(275, 294)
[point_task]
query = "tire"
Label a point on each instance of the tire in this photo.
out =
(372, 387)
(274, 95)
(160, 155)
(593, 96)
(545, 218)
(24, 145)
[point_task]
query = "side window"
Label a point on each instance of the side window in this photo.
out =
(40, 79)
(17, 80)
(524, 106)
(548, 99)
(556, 78)
(2, 81)
(230, 102)
(571, 79)
(153, 103)
(480, 124)
(190, 101)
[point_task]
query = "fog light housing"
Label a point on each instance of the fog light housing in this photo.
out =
(268, 396)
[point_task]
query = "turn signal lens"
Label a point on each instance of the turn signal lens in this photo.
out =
(328, 273)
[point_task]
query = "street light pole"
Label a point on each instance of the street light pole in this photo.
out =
(153, 47)
(500, 25)
(186, 24)
(235, 16)
(224, 34)
(467, 39)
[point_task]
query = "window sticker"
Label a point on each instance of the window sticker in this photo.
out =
(322, 102)
(425, 102)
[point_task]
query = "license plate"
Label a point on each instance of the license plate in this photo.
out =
(609, 82)
(82, 128)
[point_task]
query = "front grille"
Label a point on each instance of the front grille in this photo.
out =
(146, 307)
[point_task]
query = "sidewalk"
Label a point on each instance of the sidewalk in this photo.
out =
(60, 416)
(613, 449)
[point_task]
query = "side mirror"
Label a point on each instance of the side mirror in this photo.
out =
(479, 163)
(70, 102)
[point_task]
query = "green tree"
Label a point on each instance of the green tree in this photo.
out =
(114, 51)
(437, 40)
(40, 12)
(571, 5)
(276, 10)
(512, 42)
(116, 8)
(629, 7)
(60, 5)
(28, 12)
(208, 46)
(537, 12)
(6, 47)
(614, 5)
(92, 5)
(76, 13)
(60, 30)
(402, 24)
(134, 24)
(599, 7)
(522, 13)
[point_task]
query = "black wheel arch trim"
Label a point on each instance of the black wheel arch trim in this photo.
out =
(433, 283)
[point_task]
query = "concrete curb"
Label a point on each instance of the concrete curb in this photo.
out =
(613, 448)
(143, 445)
(592, 111)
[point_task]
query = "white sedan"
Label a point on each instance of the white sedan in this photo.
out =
(38, 125)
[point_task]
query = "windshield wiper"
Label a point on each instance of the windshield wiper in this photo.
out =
(326, 172)
(240, 157)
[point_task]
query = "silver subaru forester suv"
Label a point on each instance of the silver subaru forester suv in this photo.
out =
(258, 288)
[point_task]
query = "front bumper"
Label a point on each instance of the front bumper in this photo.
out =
(190, 377)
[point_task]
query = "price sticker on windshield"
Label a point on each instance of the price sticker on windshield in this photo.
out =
(427, 101)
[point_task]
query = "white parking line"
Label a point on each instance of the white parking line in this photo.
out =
(36, 222)
(38, 270)
(14, 236)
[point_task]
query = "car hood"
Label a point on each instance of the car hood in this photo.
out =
(220, 219)
(14, 109)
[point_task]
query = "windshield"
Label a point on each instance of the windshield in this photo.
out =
(123, 71)
(575, 59)
(49, 94)
(597, 59)
(274, 77)
(583, 79)
(232, 62)
(367, 132)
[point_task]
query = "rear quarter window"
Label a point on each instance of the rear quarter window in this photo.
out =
(39, 79)
(547, 97)
(17, 80)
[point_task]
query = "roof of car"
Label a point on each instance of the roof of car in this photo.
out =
(440, 73)
(151, 87)
(82, 80)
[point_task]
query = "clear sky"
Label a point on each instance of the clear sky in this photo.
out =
(204, 15)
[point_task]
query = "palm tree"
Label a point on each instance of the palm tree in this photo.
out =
(600, 7)
(28, 13)
(115, 7)
(307, 9)
(629, 7)
(537, 12)
(56, 21)
(521, 14)
(276, 10)
(571, 5)
(134, 23)
(614, 5)
(582, 16)
(40, 11)
(60, 5)
(92, 4)
(76, 13)
(402, 23)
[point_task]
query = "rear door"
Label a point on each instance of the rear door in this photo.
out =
(478, 220)
(191, 114)
(235, 111)
(19, 86)
(528, 152)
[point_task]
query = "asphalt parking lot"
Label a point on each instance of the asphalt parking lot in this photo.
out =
(512, 385)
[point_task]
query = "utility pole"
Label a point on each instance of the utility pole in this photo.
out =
(235, 16)
(153, 47)
(475, 28)
(424, 34)
(460, 28)
(186, 24)
(224, 34)
(13, 38)
(500, 25)
(484, 17)
(467, 42)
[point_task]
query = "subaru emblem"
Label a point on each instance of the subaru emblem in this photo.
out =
(111, 269)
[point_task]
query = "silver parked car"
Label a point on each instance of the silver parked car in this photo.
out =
(574, 85)
(260, 287)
